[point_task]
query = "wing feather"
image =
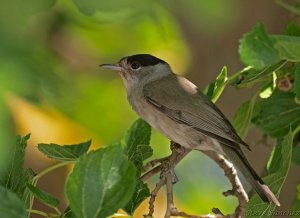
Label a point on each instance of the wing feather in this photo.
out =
(192, 108)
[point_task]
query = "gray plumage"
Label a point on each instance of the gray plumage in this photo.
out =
(174, 106)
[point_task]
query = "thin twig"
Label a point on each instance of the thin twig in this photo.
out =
(184, 214)
(176, 157)
(170, 202)
(168, 178)
(152, 163)
(150, 173)
(153, 196)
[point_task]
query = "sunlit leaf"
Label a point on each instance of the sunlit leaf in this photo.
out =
(43, 196)
(65, 152)
(248, 76)
(268, 87)
(10, 205)
(101, 182)
(215, 89)
(279, 165)
(257, 48)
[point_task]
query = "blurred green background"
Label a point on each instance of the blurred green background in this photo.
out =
(52, 87)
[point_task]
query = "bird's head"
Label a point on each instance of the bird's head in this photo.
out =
(140, 68)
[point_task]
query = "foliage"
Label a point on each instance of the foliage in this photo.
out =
(96, 187)
(101, 182)
(278, 168)
(107, 179)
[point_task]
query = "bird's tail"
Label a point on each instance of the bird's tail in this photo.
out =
(239, 160)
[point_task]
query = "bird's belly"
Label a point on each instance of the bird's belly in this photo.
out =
(177, 132)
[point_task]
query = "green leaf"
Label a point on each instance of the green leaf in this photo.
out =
(268, 87)
(68, 213)
(136, 143)
(101, 182)
(249, 76)
(257, 48)
(137, 156)
(278, 170)
(43, 196)
(15, 178)
(242, 118)
(277, 114)
(138, 134)
(215, 89)
(140, 194)
(297, 81)
(288, 47)
(65, 152)
(22, 191)
(90, 7)
(295, 209)
(292, 29)
(10, 205)
(14, 172)
(296, 155)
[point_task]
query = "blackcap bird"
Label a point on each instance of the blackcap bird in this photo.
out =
(176, 107)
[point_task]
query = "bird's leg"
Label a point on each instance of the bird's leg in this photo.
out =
(167, 175)
(169, 162)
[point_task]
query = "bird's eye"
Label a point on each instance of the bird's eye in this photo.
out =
(135, 65)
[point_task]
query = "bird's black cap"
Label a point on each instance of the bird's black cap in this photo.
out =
(144, 59)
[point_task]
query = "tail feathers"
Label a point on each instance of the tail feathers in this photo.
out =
(239, 160)
(265, 193)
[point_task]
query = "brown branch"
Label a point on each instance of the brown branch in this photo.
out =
(170, 202)
(150, 173)
(168, 178)
(178, 153)
(231, 174)
(153, 196)
(152, 163)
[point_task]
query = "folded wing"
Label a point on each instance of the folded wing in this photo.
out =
(194, 108)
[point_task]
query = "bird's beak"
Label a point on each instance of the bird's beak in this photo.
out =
(115, 67)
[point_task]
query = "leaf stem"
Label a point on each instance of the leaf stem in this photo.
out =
(41, 174)
(57, 210)
(296, 131)
(49, 169)
(37, 212)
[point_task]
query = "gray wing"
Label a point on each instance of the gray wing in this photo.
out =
(183, 102)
